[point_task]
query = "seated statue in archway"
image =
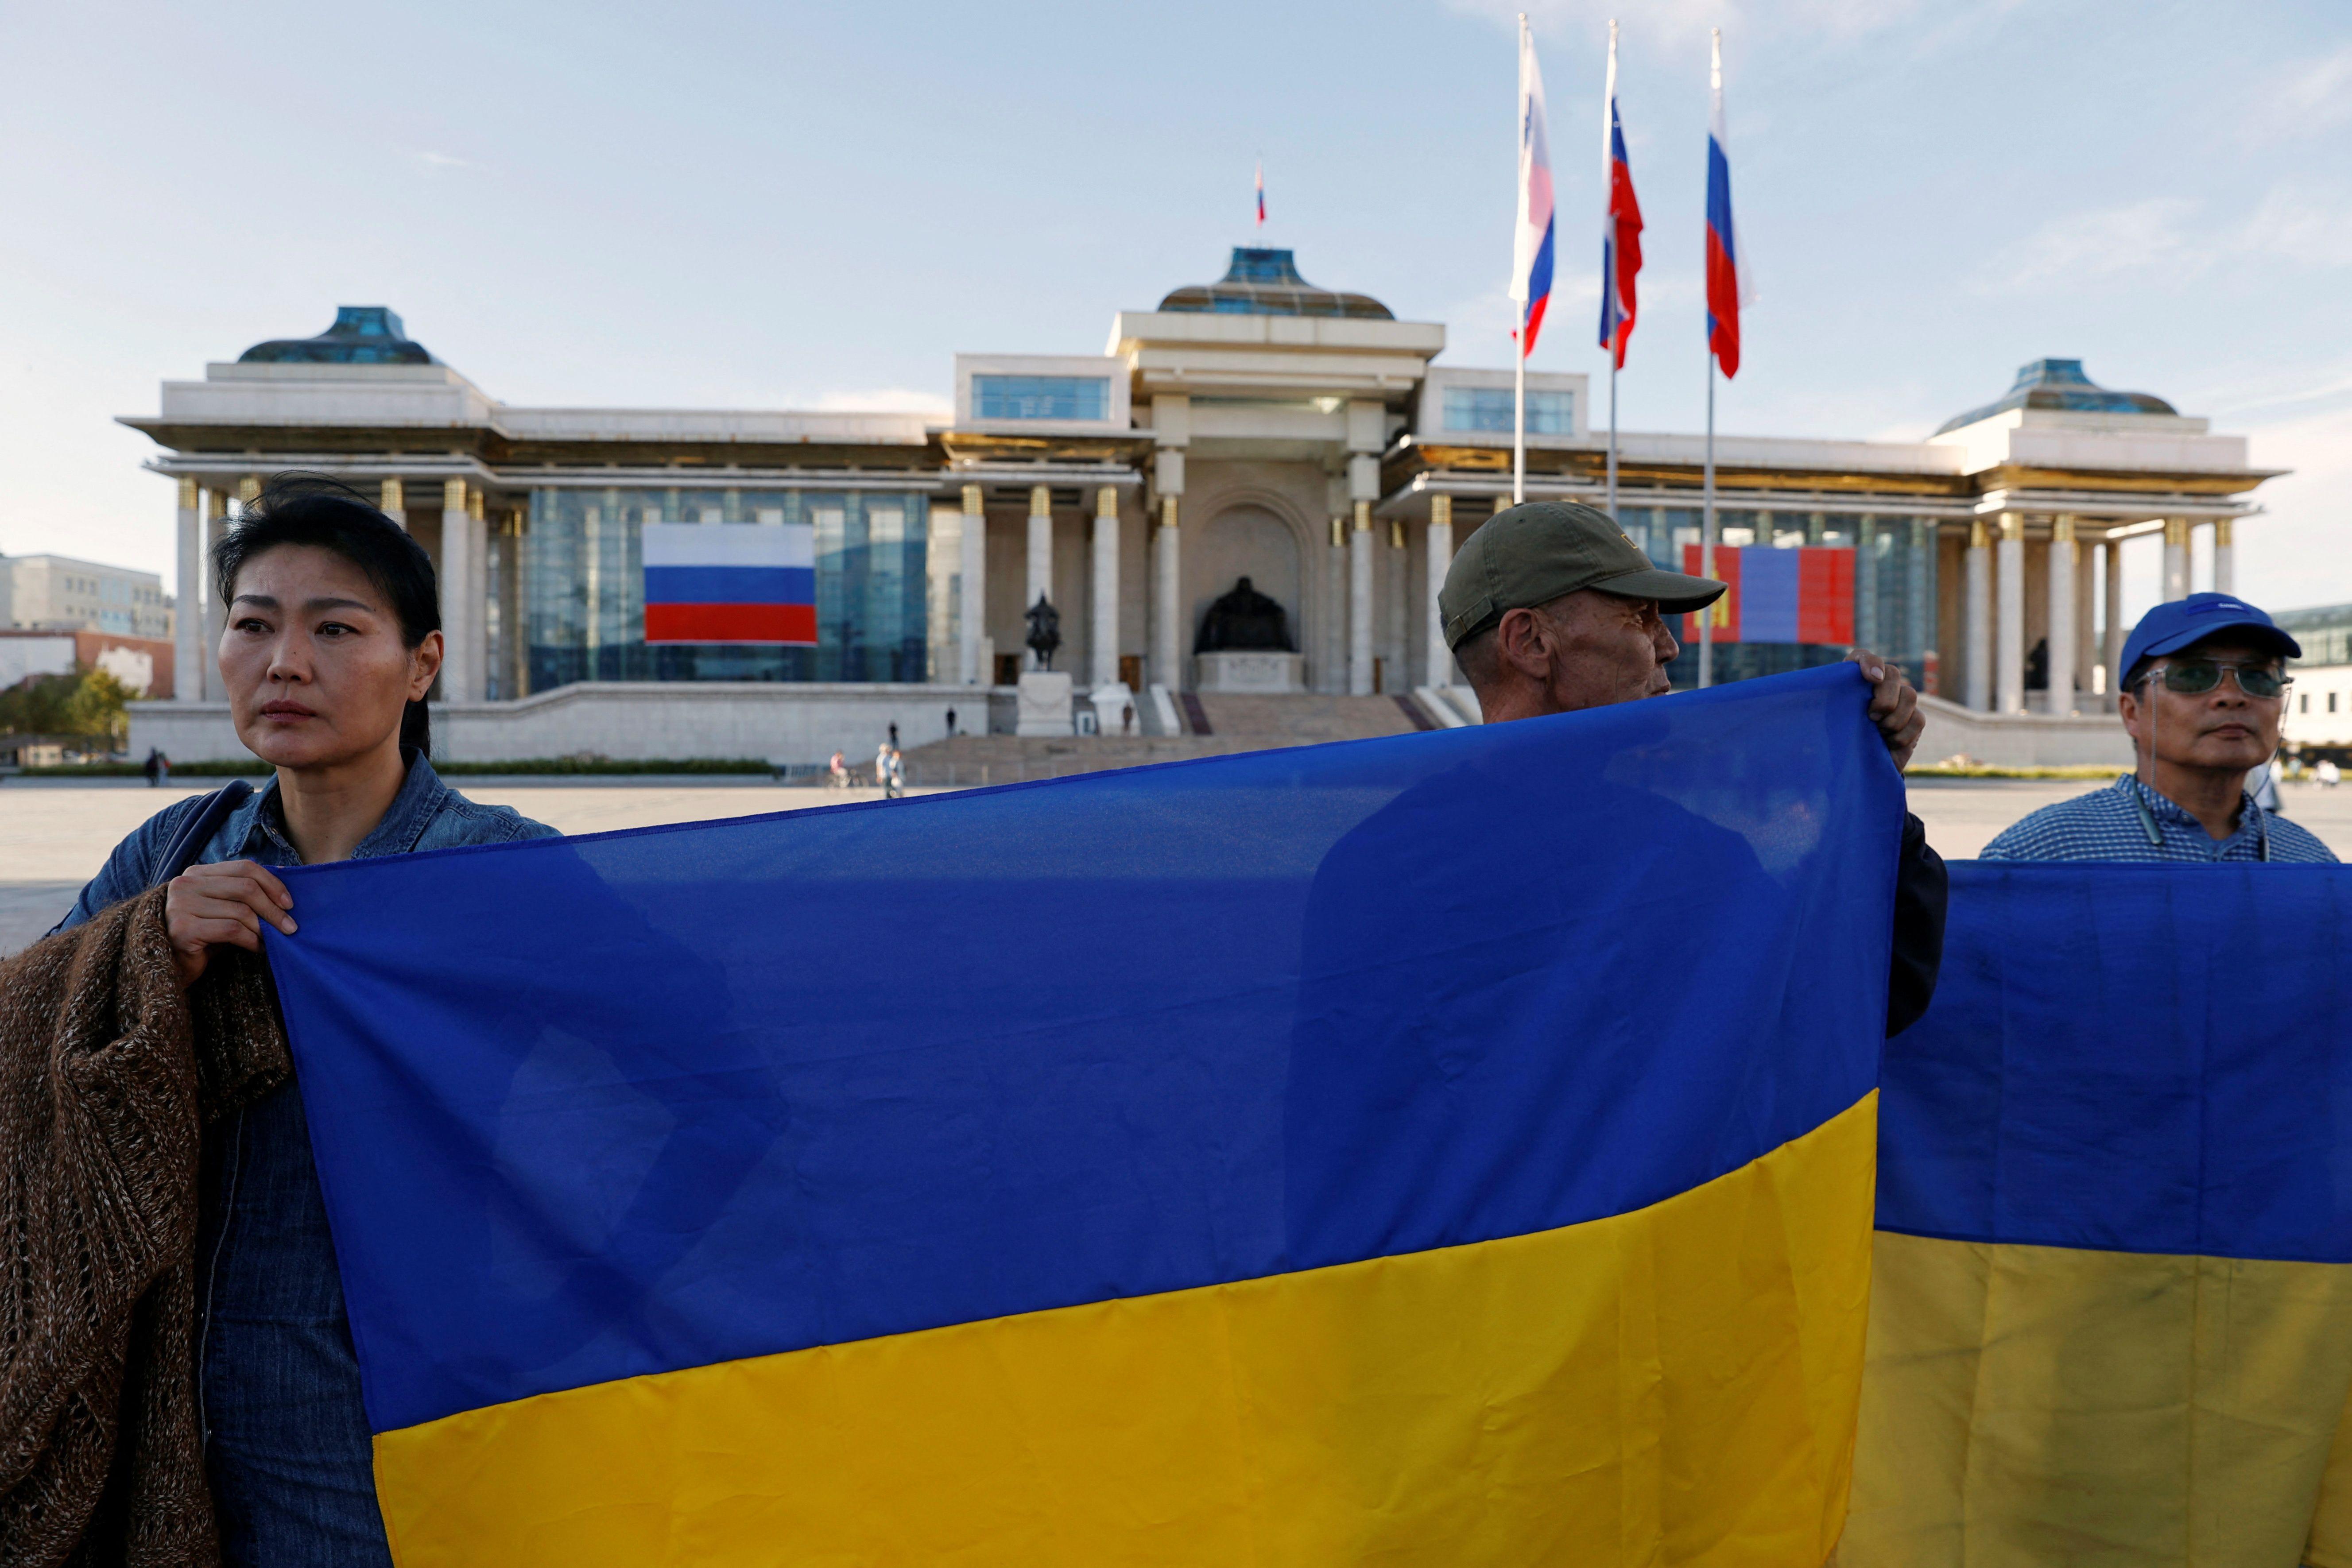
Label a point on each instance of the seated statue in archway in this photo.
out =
(1244, 621)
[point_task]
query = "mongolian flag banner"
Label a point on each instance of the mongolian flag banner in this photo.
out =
(1451, 1149)
(2112, 1320)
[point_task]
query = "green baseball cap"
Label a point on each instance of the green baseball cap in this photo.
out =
(1533, 554)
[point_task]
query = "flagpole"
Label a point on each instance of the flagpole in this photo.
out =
(1613, 434)
(1706, 536)
(1519, 336)
(1608, 284)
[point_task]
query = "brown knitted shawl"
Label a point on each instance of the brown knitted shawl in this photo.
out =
(107, 1072)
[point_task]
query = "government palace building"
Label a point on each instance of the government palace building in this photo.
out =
(1256, 427)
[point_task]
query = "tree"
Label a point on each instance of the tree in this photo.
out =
(96, 708)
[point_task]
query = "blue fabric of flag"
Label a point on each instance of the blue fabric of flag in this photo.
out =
(2131, 1058)
(591, 1107)
(731, 585)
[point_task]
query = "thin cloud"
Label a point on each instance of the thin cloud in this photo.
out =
(432, 160)
(2084, 246)
(2307, 98)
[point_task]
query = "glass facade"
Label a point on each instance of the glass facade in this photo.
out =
(1040, 398)
(582, 585)
(1894, 593)
(1488, 408)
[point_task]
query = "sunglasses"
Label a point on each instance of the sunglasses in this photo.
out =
(2195, 677)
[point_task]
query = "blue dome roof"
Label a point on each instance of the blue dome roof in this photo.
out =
(1262, 282)
(2060, 383)
(362, 334)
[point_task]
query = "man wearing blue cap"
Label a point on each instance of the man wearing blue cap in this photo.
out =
(2204, 686)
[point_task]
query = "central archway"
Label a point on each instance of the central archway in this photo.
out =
(1244, 541)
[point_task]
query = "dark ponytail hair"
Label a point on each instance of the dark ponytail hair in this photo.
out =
(311, 509)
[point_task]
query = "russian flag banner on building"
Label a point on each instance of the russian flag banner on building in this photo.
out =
(1620, 228)
(730, 583)
(1800, 595)
(831, 1187)
(1726, 280)
(1531, 258)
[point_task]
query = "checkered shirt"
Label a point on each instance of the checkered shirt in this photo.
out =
(2107, 825)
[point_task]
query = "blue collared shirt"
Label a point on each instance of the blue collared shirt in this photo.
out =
(2132, 822)
(425, 815)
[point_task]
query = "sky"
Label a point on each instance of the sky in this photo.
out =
(714, 204)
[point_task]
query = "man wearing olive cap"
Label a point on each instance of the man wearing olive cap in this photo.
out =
(1550, 609)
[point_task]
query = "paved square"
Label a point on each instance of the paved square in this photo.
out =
(55, 835)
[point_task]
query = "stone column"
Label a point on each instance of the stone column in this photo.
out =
(1441, 556)
(2225, 558)
(2062, 615)
(1040, 582)
(1360, 603)
(393, 499)
(2086, 622)
(187, 613)
(1102, 628)
(1331, 671)
(1978, 678)
(1866, 589)
(2009, 610)
(2175, 559)
(457, 578)
(1167, 631)
(477, 596)
(973, 597)
(1398, 651)
(2112, 655)
(248, 490)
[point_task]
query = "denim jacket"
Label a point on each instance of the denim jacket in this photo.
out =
(425, 815)
(287, 1445)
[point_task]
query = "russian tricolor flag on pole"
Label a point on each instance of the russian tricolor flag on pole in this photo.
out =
(724, 583)
(1532, 253)
(1726, 281)
(1621, 230)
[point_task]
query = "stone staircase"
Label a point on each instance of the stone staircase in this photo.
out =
(1233, 724)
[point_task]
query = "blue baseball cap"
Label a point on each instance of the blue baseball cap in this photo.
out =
(2168, 629)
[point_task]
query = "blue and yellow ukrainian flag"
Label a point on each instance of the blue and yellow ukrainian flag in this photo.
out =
(2112, 1320)
(1451, 1150)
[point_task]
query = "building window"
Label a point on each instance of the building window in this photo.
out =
(1084, 397)
(1488, 408)
(2331, 703)
(583, 586)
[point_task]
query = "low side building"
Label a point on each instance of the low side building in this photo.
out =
(1258, 427)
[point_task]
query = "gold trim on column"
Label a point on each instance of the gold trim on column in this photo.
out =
(1167, 511)
(2221, 532)
(1976, 533)
(394, 497)
(1338, 533)
(1107, 501)
(1041, 500)
(973, 506)
(452, 496)
(2062, 529)
(187, 492)
(2012, 525)
(1364, 517)
(1396, 533)
(2175, 531)
(474, 505)
(248, 489)
(1440, 511)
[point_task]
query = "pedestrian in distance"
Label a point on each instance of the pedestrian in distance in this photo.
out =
(2203, 692)
(837, 771)
(1550, 609)
(157, 767)
(332, 638)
